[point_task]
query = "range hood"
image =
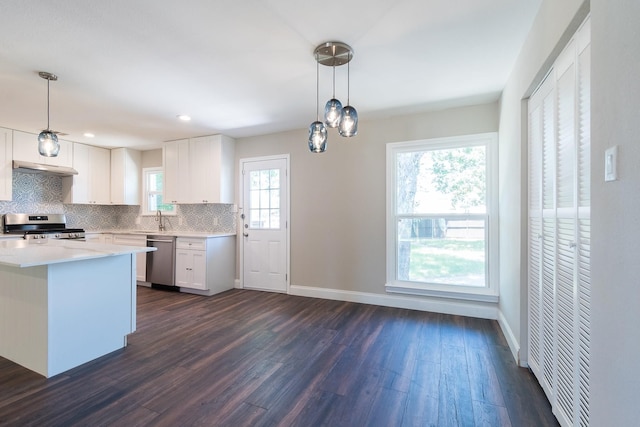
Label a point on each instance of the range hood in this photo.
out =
(31, 167)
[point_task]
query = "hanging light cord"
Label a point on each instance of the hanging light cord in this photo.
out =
(334, 80)
(348, 78)
(317, 89)
(48, 81)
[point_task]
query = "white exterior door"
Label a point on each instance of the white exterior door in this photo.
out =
(264, 214)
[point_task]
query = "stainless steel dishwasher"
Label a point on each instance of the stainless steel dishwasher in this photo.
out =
(161, 263)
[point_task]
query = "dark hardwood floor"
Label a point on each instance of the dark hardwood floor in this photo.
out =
(247, 358)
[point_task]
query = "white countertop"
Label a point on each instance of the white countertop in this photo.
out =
(176, 233)
(30, 253)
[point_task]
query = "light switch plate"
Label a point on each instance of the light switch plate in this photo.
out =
(611, 164)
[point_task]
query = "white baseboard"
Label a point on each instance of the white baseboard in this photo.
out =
(510, 337)
(237, 284)
(482, 310)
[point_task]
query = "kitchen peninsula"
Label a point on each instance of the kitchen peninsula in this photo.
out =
(64, 303)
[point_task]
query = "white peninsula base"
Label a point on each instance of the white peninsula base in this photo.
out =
(58, 316)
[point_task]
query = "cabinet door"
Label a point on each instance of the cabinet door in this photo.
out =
(25, 147)
(191, 269)
(212, 168)
(6, 168)
(100, 178)
(183, 268)
(176, 172)
(76, 188)
(125, 176)
(199, 270)
(64, 157)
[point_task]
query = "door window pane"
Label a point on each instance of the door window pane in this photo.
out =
(264, 199)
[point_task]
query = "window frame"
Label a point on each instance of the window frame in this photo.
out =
(488, 293)
(146, 191)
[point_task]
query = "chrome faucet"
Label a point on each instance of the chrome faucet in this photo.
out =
(161, 226)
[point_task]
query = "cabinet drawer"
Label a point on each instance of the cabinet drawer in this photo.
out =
(130, 239)
(188, 243)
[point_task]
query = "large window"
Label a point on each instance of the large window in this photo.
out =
(441, 216)
(153, 198)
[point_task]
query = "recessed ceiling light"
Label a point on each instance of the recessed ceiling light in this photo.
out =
(89, 135)
(184, 117)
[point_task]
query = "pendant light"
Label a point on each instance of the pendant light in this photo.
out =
(333, 108)
(332, 54)
(317, 130)
(48, 144)
(349, 121)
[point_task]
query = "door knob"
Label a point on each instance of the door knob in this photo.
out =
(245, 234)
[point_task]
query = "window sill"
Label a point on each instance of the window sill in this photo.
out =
(465, 293)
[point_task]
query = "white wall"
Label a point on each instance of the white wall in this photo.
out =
(338, 197)
(615, 213)
(555, 23)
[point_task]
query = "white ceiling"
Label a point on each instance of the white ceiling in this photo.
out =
(127, 68)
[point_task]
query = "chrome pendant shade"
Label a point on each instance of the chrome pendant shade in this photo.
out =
(48, 144)
(332, 54)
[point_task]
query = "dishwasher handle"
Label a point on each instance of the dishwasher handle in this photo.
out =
(159, 240)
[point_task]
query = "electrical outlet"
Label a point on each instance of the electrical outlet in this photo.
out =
(216, 220)
(179, 220)
(137, 220)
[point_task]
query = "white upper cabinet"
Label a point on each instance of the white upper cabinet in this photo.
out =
(25, 148)
(6, 168)
(177, 182)
(125, 176)
(92, 184)
(199, 170)
(212, 161)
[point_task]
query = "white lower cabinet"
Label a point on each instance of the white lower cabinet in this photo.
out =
(139, 240)
(205, 265)
(191, 269)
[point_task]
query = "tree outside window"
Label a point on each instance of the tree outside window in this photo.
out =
(153, 193)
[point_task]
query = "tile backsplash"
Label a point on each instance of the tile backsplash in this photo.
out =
(38, 193)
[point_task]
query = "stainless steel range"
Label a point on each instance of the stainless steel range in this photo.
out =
(40, 226)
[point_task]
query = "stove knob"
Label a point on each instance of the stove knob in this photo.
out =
(43, 236)
(36, 236)
(57, 235)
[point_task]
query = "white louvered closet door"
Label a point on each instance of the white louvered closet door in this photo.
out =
(559, 232)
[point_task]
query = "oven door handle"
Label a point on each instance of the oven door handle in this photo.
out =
(160, 240)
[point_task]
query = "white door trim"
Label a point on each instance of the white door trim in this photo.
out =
(240, 237)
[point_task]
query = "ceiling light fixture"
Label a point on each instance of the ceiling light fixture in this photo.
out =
(89, 135)
(184, 117)
(333, 54)
(48, 144)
